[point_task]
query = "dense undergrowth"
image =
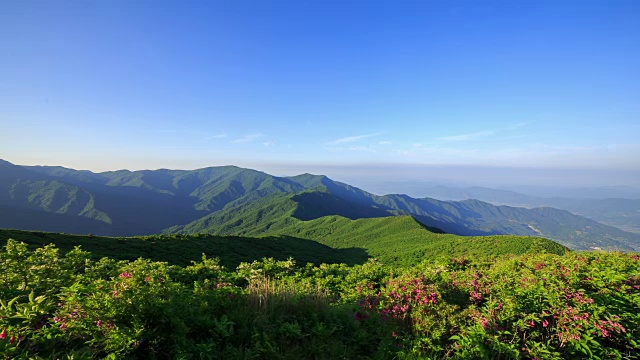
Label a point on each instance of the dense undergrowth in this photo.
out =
(545, 306)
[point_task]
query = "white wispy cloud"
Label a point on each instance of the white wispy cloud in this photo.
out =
(248, 138)
(361, 148)
(268, 143)
(385, 143)
(350, 139)
(518, 125)
(484, 133)
(466, 137)
(217, 136)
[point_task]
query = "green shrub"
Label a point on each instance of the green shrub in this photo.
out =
(534, 306)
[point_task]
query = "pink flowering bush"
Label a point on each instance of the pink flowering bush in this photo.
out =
(542, 306)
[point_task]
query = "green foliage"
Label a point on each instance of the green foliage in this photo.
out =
(545, 306)
(183, 249)
(401, 240)
(398, 240)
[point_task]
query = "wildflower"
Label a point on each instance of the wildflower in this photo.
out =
(63, 326)
(147, 279)
(545, 323)
(99, 323)
(12, 340)
(475, 296)
(3, 334)
(531, 323)
(57, 319)
(125, 275)
(484, 322)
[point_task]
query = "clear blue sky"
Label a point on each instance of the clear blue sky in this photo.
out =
(182, 84)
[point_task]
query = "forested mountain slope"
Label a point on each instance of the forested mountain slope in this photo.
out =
(125, 203)
(623, 213)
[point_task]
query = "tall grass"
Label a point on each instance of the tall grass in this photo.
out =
(268, 295)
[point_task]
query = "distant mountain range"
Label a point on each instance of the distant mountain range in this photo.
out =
(233, 201)
(423, 188)
(623, 213)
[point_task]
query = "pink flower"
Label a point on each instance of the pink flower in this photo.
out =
(545, 323)
(99, 323)
(63, 326)
(475, 296)
(484, 322)
(57, 319)
(531, 323)
(125, 275)
(3, 334)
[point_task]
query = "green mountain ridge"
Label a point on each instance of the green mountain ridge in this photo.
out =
(405, 241)
(394, 240)
(617, 212)
(127, 203)
(277, 212)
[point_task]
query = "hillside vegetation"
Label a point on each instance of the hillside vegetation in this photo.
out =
(398, 241)
(401, 240)
(534, 306)
(182, 250)
(127, 203)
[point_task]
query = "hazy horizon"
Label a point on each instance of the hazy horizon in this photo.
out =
(374, 177)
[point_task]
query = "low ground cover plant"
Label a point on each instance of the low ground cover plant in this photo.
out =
(534, 306)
